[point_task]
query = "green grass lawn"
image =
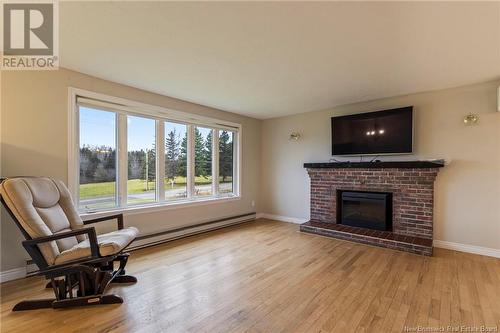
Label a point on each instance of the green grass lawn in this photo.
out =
(134, 186)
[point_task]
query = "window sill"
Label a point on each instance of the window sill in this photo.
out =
(159, 207)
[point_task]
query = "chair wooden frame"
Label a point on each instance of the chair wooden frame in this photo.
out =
(89, 277)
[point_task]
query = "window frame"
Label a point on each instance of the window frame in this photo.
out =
(123, 107)
(158, 137)
(76, 195)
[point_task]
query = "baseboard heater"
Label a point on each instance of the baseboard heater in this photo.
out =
(173, 234)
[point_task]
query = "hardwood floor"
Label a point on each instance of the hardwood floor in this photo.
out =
(265, 276)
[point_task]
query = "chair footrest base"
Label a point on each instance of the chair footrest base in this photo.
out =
(124, 279)
(52, 303)
(87, 300)
(34, 304)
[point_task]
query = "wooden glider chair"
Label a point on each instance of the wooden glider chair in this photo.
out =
(78, 263)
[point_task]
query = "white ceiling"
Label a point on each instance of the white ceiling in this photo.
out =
(267, 60)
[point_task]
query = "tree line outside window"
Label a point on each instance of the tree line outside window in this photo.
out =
(98, 167)
(98, 163)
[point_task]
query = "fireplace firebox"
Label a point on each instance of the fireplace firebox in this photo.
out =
(371, 210)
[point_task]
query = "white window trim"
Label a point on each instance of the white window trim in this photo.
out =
(124, 106)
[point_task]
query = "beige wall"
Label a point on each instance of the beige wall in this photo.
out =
(34, 132)
(467, 201)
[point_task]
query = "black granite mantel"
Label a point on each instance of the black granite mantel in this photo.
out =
(377, 165)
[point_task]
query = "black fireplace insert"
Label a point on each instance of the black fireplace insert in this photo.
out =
(372, 210)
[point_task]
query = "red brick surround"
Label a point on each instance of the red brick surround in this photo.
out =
(412, 189)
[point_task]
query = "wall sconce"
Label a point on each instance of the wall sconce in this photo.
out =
(471, 119)
(294, 136)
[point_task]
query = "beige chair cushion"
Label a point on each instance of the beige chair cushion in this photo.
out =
(43, 207)
(109, 244)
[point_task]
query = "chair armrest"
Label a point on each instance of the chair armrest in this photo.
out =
(94, 246)
(118, 217)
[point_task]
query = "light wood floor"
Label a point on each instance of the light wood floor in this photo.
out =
(265, 276)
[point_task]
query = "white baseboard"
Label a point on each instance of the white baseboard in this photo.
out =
(484, 251)
(12, 274)
(281, 218)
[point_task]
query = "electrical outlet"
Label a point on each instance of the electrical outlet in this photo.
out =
(31, 267)
(253, 203)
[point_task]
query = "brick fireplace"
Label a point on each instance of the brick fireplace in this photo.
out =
(410, 184)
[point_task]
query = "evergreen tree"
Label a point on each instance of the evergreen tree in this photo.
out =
(151, 158)
(172, 155)
(207, 154)
(141, 155)
(225, 156)
(199, 154)
(182, 169)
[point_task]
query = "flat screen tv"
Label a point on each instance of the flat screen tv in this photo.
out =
(374, 133)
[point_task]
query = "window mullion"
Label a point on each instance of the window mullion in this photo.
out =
(160, 160)
(74, 182)
(215, 162)
(122, 160)
(236, 163)
(190, 161)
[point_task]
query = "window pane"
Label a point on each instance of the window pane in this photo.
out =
(175, 161)
(203, 161)
(226, 139)
(97, 159)
(141, 140)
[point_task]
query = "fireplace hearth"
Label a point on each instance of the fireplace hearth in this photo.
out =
(372, 210)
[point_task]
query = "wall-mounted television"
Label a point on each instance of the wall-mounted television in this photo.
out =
(374, 133)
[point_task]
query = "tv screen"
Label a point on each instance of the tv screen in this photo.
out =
(381, 132)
